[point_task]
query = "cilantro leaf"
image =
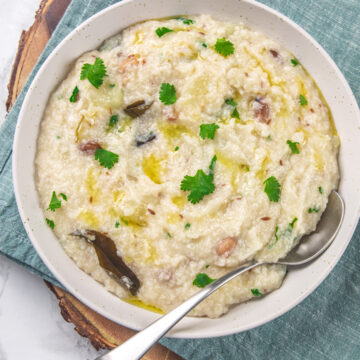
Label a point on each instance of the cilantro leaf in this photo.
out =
(212, 164)
(176, 148)
(202, 280)
(276, 238)
(111, 85)
(302, 100)
(169, 235)
(186, 21)
(204, 45)
(224, 47)
(106, 158)
(256, 292)
(94, 72)
(208, 130)
(293, 147)
(314, 209)
(75, 95)
(113, 120)
(320, 189)
(292, 224)
(230, 102)
(272, 188)
(294, 62)
(167, 94)
(55, 203)
(235, 114)
(117, 224)
(187, 226)
(162, 31)
(50, 223)
(63, 196)
(124, 221)
(200, 184)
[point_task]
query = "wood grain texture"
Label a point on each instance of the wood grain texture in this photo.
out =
(101, 332)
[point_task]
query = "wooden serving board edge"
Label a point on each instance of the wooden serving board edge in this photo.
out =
(101, 332)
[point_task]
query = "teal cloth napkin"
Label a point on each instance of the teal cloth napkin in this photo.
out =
(324, 326)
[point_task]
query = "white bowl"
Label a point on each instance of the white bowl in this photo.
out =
(89, 35)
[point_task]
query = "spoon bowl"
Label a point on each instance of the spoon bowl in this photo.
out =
(308, 249)
(313, 245)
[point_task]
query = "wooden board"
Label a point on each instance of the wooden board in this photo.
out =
(101, 332)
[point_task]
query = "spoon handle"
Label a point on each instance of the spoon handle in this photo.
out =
(139, 344)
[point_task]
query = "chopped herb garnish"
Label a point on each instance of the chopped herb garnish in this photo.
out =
(113, 120)
(106, 158)
(75, 95)
(94, 73)
(302, 100)
(269, 138)
(224, 47)
(200, 184)
(162, 31)
(314, 209)
(58, 137)
(55, 203)
(206, 266)
(230, 102)
(204, 45)
(235, 114)
(169, 235)
(320, 189)
(50, 223)
(208, 130)
(202, 280)
(167, 94)
(124, 221)
(111, 85)
(187, 226)
(272, 188)
(292, 224)
(293, 147)
(176, 148)
(63, 196)
(256, 292)
(117, 224)
(294, 62)
(276, 238)
(186, 21)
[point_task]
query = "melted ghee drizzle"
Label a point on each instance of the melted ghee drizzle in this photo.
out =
(139, 303)
(152, 168)
(91, 186)
(89, 218)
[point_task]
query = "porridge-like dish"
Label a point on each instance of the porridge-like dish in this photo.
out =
(178, 151)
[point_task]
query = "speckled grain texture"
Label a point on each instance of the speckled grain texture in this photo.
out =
(142, 191)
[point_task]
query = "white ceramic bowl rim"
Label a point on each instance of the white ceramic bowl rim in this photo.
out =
(93, 294)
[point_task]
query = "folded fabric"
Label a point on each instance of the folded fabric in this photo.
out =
(324, 326)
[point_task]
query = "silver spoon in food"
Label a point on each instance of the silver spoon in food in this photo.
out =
(310, 247)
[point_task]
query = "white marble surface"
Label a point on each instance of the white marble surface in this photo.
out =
(31, 326)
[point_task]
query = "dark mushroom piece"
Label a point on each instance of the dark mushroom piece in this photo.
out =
(137, 108)
(143, 139)
(109, 260)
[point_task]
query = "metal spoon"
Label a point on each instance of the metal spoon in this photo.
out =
(309, 249)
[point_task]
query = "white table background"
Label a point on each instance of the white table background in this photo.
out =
(31, 326)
